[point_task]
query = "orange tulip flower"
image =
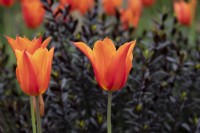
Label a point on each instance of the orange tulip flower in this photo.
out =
(110, 6)
(148, 3)
(33, 71)
(33, 65)
(83, 6)
(128, 18)
(131, 15)
(111, 67)
(33, 13)
(185, 11)
(7, 3)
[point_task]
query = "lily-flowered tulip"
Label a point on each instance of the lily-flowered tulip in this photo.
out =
(33, 13)
(33, 71)
(110, 6)
(185, 12)
(128, 18)
(111, 67)
(148, 3)
(83, 6)
(7, 3)
(33, 64)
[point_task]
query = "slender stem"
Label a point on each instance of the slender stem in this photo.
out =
(32, 115)
(109, 125)
(39, 129)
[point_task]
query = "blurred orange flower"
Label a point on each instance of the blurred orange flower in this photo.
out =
(111, 67)
(110, 6)
(129, 19)
(7, 3)
(33, 13)
(148, 3)
(33, 66)
(131, 15)
(83, 6)
(185, 11)
(135, 6)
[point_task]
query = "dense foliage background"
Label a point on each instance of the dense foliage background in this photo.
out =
(161, 94)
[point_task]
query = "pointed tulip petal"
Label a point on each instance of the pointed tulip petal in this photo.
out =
(117, 70)
(35, 44)
(46, 42)
(85, 49)
(129, 57)
(103, 53)
(22, 43)
(11, 42)
(26, 74)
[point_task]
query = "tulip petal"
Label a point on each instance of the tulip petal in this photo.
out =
(90, 54)
(39, 65)
(35, 44)
(103, 53)
(120, 66)
(11, 42)
(42, 60)
(15, 43)
(85, 49)
(129, 57)
(47, 76)
(25, 73)
(46, 42)
(109, 45)
(22, 43)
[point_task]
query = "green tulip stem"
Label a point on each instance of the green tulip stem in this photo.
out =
(109, 125)
(32, 114)
(39, 129)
